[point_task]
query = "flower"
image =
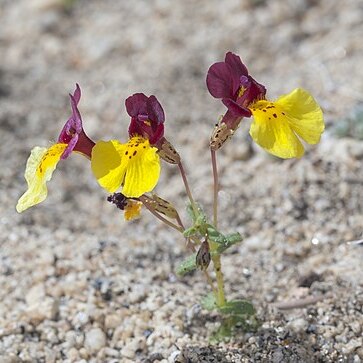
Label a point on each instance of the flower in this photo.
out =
(147, 117)
(43, 161)
(135, 166)
(277, 126)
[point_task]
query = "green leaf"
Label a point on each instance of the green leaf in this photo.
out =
(234, 237)
(229, 241)
(208, 302)
(229, 326)
(238, 308)
(214, 235)
(187, 265)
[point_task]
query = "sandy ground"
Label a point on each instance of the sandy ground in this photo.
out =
(78, 284)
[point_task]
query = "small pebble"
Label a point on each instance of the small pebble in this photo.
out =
(95, 340)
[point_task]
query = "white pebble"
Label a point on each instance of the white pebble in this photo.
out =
(95, 340)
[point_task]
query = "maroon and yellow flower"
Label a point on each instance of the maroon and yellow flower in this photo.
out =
(135, 165)
(43, 161)
(277, 126)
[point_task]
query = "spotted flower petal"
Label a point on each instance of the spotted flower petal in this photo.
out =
(278, 124)
(39, 169)
(135, 166)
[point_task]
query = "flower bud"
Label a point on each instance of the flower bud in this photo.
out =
(220, 135)
(161, 206)
(203, 257)
(168, 153)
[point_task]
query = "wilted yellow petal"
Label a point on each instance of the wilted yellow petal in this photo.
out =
(132, 210)
(39, 169)
(108, 165)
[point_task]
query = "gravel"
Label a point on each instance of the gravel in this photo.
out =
(81, 285)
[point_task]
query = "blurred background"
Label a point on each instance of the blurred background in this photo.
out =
(80, 283)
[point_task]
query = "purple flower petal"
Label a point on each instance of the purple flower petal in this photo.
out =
(72, 132)
(220, 81)
(71, 145)
(76, 116)
(254, 91)
(147, 117)
(157, 134)
(154, 110)
(235, 109)
(77, 94)
(237, 67)
(136, 104)
(134, 127)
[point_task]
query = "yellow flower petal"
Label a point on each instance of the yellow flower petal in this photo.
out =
(276, 124)
(132, 210)
(135, 166)
(274, 134)
(143, 169)
(106, 164)
(39, 169)
(304, 114)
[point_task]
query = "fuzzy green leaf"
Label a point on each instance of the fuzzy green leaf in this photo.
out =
(230, 240)
(208, 302)
(187, 265)
(214, 235)
(238, 308)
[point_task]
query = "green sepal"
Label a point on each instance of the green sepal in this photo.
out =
(188, 265)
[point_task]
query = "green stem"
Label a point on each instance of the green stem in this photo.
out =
(187, 189)
(180, 229)
(221, 300)
(215, 187)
